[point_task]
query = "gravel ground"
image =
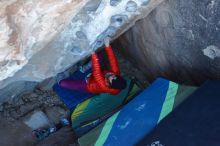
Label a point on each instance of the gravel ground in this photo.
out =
(38, 99)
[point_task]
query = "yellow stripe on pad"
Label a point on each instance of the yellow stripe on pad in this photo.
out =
(79, 109)
(133, 91)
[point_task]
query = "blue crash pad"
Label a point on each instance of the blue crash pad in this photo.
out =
(72, 98)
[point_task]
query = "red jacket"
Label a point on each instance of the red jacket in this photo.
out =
(96, 83)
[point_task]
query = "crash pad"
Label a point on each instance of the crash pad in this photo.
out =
(72, 98)
(101, 104)
(194, 122)
(136, 119)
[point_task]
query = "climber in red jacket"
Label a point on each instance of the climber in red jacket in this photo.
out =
(108, 81)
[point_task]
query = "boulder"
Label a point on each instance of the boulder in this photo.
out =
(39, 39)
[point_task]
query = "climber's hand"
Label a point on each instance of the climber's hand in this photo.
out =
(107, 41)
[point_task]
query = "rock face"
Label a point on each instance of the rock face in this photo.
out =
(27, 27)
(39, 39)
(179, 40)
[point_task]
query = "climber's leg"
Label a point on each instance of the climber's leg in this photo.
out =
(79, 85)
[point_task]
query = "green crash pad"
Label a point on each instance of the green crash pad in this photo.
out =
(100, 105)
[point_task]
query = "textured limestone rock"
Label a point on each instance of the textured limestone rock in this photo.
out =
(40, 38)
(179, 40)
(26, 27)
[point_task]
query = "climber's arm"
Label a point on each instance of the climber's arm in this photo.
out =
(112, 60)
(96, 71)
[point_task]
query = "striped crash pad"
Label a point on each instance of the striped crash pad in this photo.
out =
(139, 116)
(100, 105)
